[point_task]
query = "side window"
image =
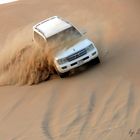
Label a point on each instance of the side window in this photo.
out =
(39, 39)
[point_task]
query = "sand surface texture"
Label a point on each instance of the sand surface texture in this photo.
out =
(99, 103)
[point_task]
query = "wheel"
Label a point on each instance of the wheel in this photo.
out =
(96, 60)
(63, 75)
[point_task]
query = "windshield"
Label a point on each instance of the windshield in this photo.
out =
(66, 37)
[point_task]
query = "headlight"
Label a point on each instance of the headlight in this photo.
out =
(62, 61)
(89, 48)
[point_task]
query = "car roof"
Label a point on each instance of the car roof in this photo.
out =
(51, 26)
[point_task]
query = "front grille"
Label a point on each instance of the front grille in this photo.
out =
(76, 55)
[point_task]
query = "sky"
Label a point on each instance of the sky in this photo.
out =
(6, 1)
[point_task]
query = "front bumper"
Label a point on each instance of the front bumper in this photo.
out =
(77, 62)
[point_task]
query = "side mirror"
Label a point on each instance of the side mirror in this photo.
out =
(83, 31)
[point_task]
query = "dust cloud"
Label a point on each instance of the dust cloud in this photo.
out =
(22, 61)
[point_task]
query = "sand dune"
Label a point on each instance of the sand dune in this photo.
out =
(101, 102)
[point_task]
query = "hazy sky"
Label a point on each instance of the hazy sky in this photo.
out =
(6, 1)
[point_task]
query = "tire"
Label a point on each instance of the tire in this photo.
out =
(96, 61)
(63, 75)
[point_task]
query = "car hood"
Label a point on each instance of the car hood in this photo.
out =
(73, 49)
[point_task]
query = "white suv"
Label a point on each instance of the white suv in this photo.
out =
(76, 49)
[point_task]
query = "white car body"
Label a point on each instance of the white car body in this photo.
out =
(76, 55)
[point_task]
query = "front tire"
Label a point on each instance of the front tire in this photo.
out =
(63, 75)
(96, 61)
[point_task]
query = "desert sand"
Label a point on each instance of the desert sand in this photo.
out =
(98, 103)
